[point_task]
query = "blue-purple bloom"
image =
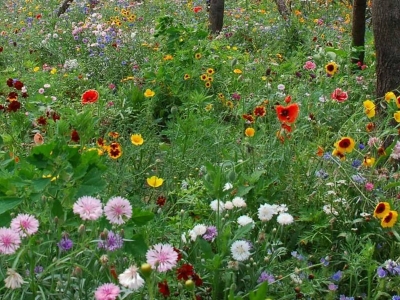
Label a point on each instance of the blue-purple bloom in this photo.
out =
(332, 287)
(396, 297)
(297, 255)
(112, 242)
(324, 261)
(65, 244)
(356, 163)
(210, 234)
(381, 272)
(337, 276)
(266, 277)
(343, 297)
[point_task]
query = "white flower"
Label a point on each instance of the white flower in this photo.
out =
(281, 87)
(296, 279)
(281, 208)
(197, 230)
(228, 205)
(266, 212)
(131, 279)
(14, 280)
(285, 219)
(244, 220)
(328, 209)
(240, 250)
(217, 205)
(227, 186)
(183, 238)
(238, 202)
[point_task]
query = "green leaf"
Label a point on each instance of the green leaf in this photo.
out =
(205, 248)
(8, 203)
(260, 293)
(141, 217)
(57, 209)
(40, 184)
(137, 247)
(5, 220)
(241, 232)
(244, 190)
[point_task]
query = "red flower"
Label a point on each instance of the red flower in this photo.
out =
(75, 136)
(90, 96)
(12, 96)
(41, 121)
(287, 127)
(14, 106)
(55, 116)
(288, 99)
(259, 111)
(24, 95)
(10, 82)
(179, 253)
(197, 9)
(1, 49)
(18, 85)
(197, 279)
(287, 114)
(248, 118)
(185, 272)
(339, 95)
(161, 201)
(163, 288)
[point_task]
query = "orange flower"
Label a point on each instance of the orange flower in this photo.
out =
(197, 9)
(90, 96)
(115, 150)
(259, 111)
(287, 114)
(249, 132)
(38, 139)
(320, 151)
(381, 210)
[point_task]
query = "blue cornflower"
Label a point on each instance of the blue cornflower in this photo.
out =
(266, 277)
(65, 244)
(112, 242)
(361, 146)
(324, 261)
(337, 276)
(356, 163)
(396, 297)
(381, 272)
(321, 174)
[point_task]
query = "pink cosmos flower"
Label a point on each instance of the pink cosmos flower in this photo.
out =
(162, 257)
(339, 95)
(24, 225)
(9, 241)
(88, 208)
(309, 65)
(107, 291)
(116, 209)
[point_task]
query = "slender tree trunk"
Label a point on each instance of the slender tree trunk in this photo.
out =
(63, 8)
(216, 15)
(358, 31)
(283, 9)
(386, 26)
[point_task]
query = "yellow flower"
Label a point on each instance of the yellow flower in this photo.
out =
(368, 161)
(36, 69)
(149, 93)
(381, 209)
(209, 107)
(168, 57)
(197, 55)
(389, 219)
(396, 116)
(249, 132)
(186, 77)
(369, 108)
(345, 144)
(331, 68)
(237, 71)
(137, 139)
(338, 153)
(154, 181)
(210, 71)
(389, 96)
(53, 71)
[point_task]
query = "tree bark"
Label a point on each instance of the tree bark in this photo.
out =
(216, 15)
(283, 9)
(63, 8)
(386, 27)
(358, 31)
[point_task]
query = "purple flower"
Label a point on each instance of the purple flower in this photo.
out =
(356, 163)
(297, 255)
(112, 242)
(396, 297)
(210, 234)
(324, 261)
(65, 244)
(236, 96)
(266, 277)
(337, 276)
(332, 287)
(343, 297)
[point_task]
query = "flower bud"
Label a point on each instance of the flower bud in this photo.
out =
(146, 270)
(189, 284)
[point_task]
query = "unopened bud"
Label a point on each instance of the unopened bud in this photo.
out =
(146, 270)
(189, 284)
(81, 229)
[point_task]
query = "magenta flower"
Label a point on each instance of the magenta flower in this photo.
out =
(309, 65)
(9, 241)
(162, 257)
(339, 95)
(24, 225)
(107, 291)
(88, 208)
(117, 209)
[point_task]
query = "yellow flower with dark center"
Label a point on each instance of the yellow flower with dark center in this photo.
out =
(149, 93)
(369, 108)
(203, 77)
(338, 153)
(221, 96)
(368, 161)
(168, 57)
(389, 96)
(381, 209)
(114, 150)
(197, 55)
(210, 71)
(389, 219)
(249, 132)
(398, 102)
(331, 68)
(396, 116)
(113, 134)
(186, 77)
(229, 104)
(209, 78)
(208, 84)
(137, 139)
(209, 107)
(345, 144)
(237, 71)
(154, 181)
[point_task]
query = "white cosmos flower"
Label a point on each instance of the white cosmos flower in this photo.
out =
(240, 250)
(131, 278)
(266, 212)
(285, 219)
(244, 220)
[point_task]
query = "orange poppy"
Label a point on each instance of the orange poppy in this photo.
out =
(197, 9)
(90, 96)
(287, 114)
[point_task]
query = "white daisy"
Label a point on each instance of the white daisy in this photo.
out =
(217, 205)
(285, 219)
(240, 250)
(266, 212)
(244, 220)
(238, 202)
(228, 205)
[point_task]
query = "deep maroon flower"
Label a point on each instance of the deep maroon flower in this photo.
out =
(179, 254)
(41, 121)
(163, 288)
(24, 95)
(185, 272)
(161, 201)
(12, 96)
(10, 82)
(14, 106)
(197, 279)
(75, 136)
(1, 49)
(18, 85)
(55, 116)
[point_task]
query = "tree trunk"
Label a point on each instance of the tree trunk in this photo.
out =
(63, 8)
(216, 15)
(283, 9)
(358, 31)
(386, 26)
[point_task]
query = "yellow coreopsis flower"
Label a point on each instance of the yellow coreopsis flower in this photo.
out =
(345, 144)
(368, 161)
(149, 93)
(249, 132)
(237, 71)
(154, 181)
(389, 219)
(389, 96)
(53, 71)
(331, 68)
(396, 116)
(381, 209)
(137, 139)
(369, 108)
(36, 69)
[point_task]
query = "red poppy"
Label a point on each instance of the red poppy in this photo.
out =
(163, 288)
(10, 82)
(185, 272)
(75, 136)
(90, 96)
(287, 114)
(287, 127)
(288, 99)
(197, 9)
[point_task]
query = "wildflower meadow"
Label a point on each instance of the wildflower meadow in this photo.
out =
(144, 157)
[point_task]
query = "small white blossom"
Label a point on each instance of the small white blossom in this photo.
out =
(244, 220)
(285, 219)
(131, 279)
(239, 202)
(266, 212)
(228, 205)
(217, 205)
(227, 186)
(240, 250)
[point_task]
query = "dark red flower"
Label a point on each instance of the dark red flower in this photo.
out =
(248, 118)
(259, 111)
(75, 136)
(41, 121)
(197, 279)
(185, 272)
(163, 288)
(10, 82)
(179, 253)
(161, 201)
(287, 114)
(12, 96)
(14, 106)
(18, 85)
(90, 96)
(287, 127)
(197, 9)
(1, 49)
(101, 142)
(55, 116)
(24, 95)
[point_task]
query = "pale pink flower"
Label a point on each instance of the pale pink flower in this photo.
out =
(369, 186)
(107, 291)
(339, 95)
(117, 209)
(309, 65)
(162, 257)
(374, 142)
(25, 224)
(41, 90)
(88, 208)
(9, 241)
(13, 280)
(131, 278)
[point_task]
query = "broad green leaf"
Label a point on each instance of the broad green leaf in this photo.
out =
(8, 203)
(141, 217)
